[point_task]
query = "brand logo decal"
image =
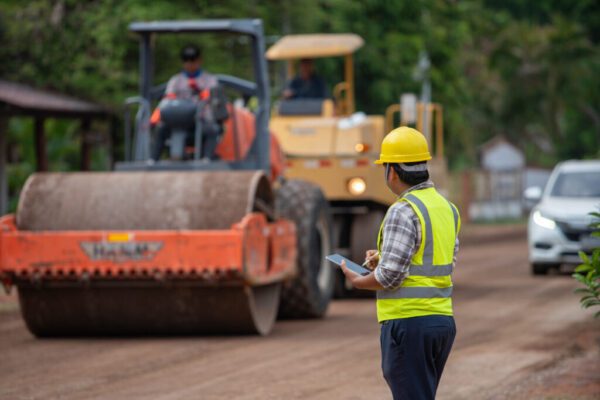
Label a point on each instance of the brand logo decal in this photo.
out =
(121, 251)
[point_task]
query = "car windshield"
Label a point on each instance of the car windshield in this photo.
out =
(577, 184)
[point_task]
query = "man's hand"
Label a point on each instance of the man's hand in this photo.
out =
(371, 259)
(359, 281)
(193, 85)
(287, 93)
(350, 275)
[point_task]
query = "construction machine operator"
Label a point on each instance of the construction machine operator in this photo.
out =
(195, 84)
(412, 268)
(307, 84)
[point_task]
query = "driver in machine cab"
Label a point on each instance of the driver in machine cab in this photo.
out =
(195, 84)
(307, 84)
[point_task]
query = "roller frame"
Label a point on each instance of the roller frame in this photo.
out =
(253, 252)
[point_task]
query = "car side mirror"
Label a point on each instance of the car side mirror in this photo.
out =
(532, 196)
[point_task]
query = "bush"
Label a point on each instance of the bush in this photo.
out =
(588, 273)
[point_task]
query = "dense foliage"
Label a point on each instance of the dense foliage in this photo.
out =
(524, 69)
(588, 273)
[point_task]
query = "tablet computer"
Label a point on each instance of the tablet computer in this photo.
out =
(352, 266)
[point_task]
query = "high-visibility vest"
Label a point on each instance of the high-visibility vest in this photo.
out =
(428, 288)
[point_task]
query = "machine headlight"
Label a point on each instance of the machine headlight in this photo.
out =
(357, 186)
(361, 147)
(542, 221)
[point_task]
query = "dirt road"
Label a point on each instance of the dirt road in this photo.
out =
(510, 326)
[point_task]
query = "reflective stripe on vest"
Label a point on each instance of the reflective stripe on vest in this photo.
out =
(428, 287)
(415, 293)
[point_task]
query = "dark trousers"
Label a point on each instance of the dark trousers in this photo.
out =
(413, 354)
(162, 134)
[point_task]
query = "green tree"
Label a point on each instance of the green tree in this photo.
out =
(537, 66)
(527, 70)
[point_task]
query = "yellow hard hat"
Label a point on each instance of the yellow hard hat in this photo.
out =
(404, 145)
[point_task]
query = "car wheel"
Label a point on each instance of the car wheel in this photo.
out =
(542, 269)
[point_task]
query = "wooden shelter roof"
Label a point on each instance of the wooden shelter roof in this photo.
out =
(20, 99)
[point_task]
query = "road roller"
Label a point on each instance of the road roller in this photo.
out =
(186, 245)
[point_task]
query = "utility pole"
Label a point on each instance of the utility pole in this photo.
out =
(421, 73)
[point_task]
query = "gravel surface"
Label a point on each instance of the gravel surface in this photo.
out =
(516, 335)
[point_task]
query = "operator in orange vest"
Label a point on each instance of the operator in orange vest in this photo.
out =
(192, 83)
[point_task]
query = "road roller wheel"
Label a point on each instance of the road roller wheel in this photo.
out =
(308, 295)
(154, 201)
(146, 308)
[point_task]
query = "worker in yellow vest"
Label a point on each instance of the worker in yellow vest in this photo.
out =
(412, 269)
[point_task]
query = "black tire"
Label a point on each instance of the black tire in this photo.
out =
(542, 269)
(363, 236)
(307, 295)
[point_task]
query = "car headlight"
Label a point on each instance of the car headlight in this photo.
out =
(357, 186)
(542, 221)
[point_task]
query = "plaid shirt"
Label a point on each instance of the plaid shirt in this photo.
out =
(401, 240)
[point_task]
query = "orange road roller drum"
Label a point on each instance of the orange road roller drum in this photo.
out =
(137, 253)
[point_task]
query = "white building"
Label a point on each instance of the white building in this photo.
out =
(499, 185)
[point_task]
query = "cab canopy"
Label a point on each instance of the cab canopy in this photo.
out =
(320, 45)
(315, 46)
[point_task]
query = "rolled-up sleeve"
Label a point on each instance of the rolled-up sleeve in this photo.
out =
(401, 236)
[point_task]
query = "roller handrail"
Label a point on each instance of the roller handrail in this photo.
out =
(142, 129)
(245, 87)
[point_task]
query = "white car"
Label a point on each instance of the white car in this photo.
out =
(558, 225)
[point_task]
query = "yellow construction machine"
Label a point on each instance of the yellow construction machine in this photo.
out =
(330, 144)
